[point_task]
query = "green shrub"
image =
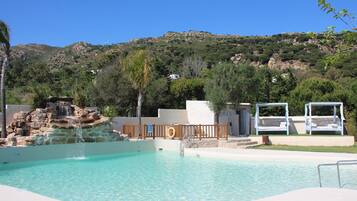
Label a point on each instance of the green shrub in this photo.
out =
(351, 124)
(110, 111)
(187, 89)
(315, 89)
(41, 93)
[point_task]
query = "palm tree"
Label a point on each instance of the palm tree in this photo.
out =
(137, 66)
(5, 44)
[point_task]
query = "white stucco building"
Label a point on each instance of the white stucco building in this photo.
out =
(196, 112)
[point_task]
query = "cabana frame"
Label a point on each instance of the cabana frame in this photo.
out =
(272, 128)
(309, 127)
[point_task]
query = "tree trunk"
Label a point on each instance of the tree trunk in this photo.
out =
(3, 97)
(216, 117)
(138, 110)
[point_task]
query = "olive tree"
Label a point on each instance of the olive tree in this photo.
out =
(193, 66)
(232, 83)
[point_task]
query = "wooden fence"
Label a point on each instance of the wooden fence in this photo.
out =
(215, 131)
(129, 130)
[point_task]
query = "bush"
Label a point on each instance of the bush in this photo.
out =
(41, 93)
(110, 111)
(187, 89)
(351, 120)
(315, 89)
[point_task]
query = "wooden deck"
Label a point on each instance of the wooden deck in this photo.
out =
(212, 131)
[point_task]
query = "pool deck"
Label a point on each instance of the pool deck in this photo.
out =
(307, 194)
(315, 194)
(268, 155)
(9, 193)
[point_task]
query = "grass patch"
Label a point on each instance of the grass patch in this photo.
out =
(351, 149)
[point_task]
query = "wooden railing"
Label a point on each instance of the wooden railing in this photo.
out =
(129, 129)
(215, 131)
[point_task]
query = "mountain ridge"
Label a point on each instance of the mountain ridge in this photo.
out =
(299, 51)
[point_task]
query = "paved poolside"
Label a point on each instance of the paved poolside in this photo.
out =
(9, 193)
(315, 194)
(276, 155)
(308, 194)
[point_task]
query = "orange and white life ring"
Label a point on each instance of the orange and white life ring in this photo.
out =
(171, 132)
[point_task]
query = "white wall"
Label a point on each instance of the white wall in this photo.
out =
(198, 112)
(60, 151)
(172, 116)
(297, 124)
(46, 152)
(314, 140)
(168, 145)
(165, 116)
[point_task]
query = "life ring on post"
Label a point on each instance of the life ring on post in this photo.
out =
(171, 132)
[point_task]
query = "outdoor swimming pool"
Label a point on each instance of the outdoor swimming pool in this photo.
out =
(163, 176)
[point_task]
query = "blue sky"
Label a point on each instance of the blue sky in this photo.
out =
(63, 22)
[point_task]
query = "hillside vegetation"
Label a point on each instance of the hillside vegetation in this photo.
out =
(284, 67)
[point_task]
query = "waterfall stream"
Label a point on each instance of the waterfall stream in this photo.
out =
(78, 153)
(79, 133)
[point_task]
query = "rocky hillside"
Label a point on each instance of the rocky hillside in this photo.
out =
(89, 73)
(295, 50)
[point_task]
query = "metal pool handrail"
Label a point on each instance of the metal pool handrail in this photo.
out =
(337, 164)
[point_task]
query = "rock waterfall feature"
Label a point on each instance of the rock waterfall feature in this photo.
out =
(60, 122)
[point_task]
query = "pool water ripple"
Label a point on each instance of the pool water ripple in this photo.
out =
(163, 176)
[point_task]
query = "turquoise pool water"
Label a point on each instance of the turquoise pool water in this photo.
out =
(163, 176)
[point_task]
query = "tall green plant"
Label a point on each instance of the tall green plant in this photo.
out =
(186, 89)
(137, 66)
(230, 83)
(346, 48)
(40, 94)
(5, 45)
(343, 15)
(315, 89)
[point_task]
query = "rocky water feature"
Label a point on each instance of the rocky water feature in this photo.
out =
(60, 122)
(100, 133)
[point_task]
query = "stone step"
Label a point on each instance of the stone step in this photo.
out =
(238, 143)
(247, 143)
(240, 140)
(229, 145)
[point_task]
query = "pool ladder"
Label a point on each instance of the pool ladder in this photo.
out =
(182, 148)
(337, 164)
(187, 141)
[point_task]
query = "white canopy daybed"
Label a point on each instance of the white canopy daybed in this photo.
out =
(324, 123)
(283, 126)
